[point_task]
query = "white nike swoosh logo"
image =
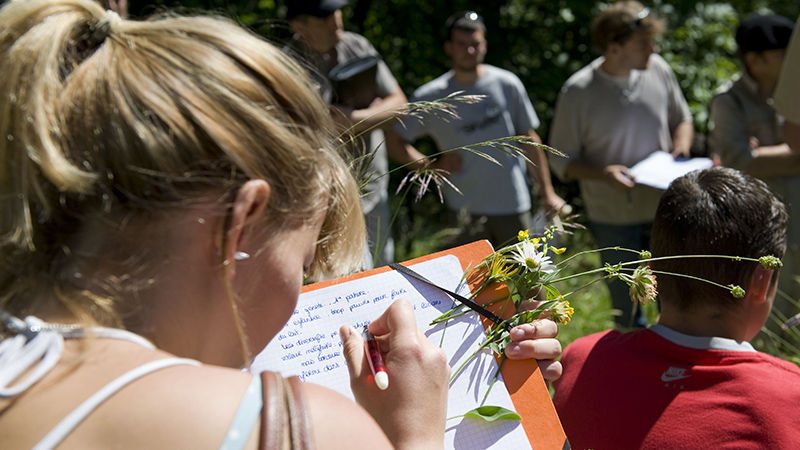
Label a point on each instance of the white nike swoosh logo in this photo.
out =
(667, 378)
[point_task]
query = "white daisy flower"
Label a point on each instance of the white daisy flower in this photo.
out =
(532, 259)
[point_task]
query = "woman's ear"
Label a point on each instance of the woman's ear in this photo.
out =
(248, 208)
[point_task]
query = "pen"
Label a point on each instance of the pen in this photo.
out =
(376, 361)
(464, 301)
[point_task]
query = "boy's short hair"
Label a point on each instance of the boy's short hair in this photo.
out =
(620, 21)
(716, 211)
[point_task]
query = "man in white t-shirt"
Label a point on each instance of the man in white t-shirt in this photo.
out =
(494, 198)
(610, 115)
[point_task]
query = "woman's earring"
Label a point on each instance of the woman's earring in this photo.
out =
(239, 256)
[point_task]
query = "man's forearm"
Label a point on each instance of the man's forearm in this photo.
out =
(682, 139)
(379, 113)
(578, 169)
(774, 161)
(539, 168)
(791, 134)
(402, 153)
(616, 175)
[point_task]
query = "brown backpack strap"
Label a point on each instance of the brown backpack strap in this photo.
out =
(285, 419)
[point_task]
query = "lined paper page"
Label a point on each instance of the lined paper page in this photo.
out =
(309, 346)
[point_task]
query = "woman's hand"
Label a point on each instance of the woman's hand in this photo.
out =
(412, 410)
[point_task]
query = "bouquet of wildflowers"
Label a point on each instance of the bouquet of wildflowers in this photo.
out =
(528, 273)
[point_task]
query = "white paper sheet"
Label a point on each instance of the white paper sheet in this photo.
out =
(659, 169)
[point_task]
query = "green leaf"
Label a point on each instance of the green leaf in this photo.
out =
(492, 413)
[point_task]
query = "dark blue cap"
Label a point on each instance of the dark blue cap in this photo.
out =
(764, 32)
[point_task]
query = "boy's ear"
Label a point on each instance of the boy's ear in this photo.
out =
(760, 283)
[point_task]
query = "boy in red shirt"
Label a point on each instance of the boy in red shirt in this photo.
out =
(693, 381)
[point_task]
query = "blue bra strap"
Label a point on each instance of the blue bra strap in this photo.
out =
(246, 417)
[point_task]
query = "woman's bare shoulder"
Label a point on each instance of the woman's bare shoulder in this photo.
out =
(181, 406)
(177, 407)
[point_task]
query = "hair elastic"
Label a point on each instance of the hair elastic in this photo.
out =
(101, 29)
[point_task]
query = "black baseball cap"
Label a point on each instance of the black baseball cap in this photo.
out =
(759, 33)
(316, 8)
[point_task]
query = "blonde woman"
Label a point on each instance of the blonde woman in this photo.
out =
(165, 187)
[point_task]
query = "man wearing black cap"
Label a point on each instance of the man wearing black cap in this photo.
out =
(322, 43)
(747, 134)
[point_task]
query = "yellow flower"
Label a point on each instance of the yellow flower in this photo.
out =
(523, 235)
(642, 285)
(500, 269)
(561, 312)
(558, 251)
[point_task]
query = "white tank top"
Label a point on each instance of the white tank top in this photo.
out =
(39, 346)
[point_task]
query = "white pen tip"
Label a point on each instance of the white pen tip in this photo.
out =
(382, 380)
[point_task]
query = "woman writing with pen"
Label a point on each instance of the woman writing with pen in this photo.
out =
(166, 185)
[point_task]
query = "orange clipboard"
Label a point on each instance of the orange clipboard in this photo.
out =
(525, 384)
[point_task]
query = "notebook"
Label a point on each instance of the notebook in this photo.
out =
(309, 347)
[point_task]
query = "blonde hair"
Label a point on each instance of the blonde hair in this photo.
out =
(116, 120)
(615, 24)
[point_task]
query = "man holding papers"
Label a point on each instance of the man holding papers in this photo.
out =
(611, 115)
